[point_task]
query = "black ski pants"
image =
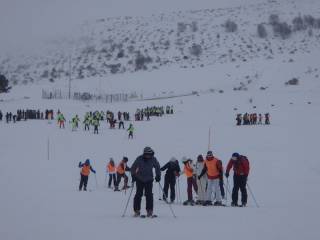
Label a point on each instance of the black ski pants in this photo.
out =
(169, 182)
(146, 188)
(112, 176)
(83, 182)
(239, 182)
(119, 176)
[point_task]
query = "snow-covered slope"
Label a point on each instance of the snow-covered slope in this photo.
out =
(40, 198)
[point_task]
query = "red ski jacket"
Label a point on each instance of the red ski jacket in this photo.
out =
(240, 166)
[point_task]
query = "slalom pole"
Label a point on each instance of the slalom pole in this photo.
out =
(253, 196)
(168, 202)
(125, 209)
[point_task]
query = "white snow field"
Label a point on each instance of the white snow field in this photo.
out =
(39, 174)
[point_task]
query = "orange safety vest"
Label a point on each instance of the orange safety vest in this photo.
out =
(188, 170)
(110, 168)
(212, 168)
(85, 171)
(121, 168)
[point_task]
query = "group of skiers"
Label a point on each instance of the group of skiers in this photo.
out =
(22, 115)
(152, 111)
(205, 177)
(252, 119)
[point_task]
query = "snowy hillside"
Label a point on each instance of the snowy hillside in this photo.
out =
(237, 72)
(187, 39)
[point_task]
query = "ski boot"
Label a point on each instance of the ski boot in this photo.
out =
(207, 203)
(149, 213)
(233, 204)
(218, 203)
(136, 214)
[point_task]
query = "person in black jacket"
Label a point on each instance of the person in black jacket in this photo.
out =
(173, 171)
(142, 174)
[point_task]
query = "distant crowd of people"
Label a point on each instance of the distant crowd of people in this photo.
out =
(24, 115)
(252, 119)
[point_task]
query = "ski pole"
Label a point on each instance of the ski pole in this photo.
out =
(95, 176)
(125, 209)
(179, 191)
(159, 193)
(253, 196)
(167, 202)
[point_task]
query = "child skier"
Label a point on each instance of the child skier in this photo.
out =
(85, 172)
(130, 130)
(111, 171)
(189, 172)
(121, 173)
(202, 182)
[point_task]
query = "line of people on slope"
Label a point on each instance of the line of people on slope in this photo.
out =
(252, 119)
(205, 177)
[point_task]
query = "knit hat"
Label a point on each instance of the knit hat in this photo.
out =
(209, 154)
(148, 150)
(87, 162)
(125, 159)
(173, 159)
(235, 156)
(200, 158)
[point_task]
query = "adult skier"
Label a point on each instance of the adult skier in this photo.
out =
(142, 174)
(122, 168)
(191, 182)
(202, 182)
(111, 171)
(213, 169)
(173, 171)
(61, 120)
(96, 124)
(85, 172)
(241, 168)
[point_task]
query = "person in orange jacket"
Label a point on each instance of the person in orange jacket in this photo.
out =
(85, 172)
(191, 182)
(111, 171)
(213, 169)
(122, 168)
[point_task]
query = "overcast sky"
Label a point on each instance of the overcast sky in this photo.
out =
(25, 22)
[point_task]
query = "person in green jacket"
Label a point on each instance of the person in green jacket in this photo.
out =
(95, 123)
(130, 130)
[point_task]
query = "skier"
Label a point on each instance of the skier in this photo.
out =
(121, 124)
(122, 168)
(86, 122)
(173, 171)
(213, 168)
(239, 119)
(189, 172)
(202, 182)
(95, 123)
(241, 170)
(260, 119)
(267, 118)
(61, 120)
(142, 174)
(85, 171)
(130, 130)
(75, 122)
(111, 171)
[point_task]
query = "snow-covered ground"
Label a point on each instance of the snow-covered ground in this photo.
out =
(39, 195)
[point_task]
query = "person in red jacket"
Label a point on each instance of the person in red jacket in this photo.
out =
(240, 165)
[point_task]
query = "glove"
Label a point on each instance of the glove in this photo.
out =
(94, 171)
(133, 179)
(158, 178)
(199, 177)
(227, 175)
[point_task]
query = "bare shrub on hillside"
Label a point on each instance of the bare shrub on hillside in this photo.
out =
(282, 29)
(262, 31)
(230, 26)
(196, 50)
